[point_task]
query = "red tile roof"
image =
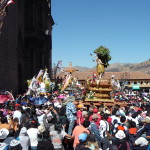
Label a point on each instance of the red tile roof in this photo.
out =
(118, 75)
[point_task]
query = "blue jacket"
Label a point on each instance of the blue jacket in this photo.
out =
(94, 129)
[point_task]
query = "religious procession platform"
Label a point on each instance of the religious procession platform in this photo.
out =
(105, 103)
(99, 92)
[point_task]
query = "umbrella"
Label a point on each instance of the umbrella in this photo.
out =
(40, 100)
(5, 96)
(61, 96)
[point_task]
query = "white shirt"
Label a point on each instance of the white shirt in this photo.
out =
(17, 114)
(104, 126)
(33, 135)
(115, 118)
(40, 118)
(135, 120)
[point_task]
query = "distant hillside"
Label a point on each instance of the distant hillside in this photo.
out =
(119, 67)
(82, 68)
(144, 67)
(124, 67)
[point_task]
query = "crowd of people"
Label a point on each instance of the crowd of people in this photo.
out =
(63, 123)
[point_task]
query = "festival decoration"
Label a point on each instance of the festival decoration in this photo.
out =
(103, 54)
(39, 84)
(91, 95)
(99, 89)
(69, 80)
(102, 58)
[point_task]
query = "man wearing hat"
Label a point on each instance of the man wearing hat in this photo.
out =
(94, 128)
(82, 139)
(71, 113)
(95, 111)
(145, 129)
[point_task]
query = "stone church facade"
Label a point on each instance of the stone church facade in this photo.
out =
(25, 43)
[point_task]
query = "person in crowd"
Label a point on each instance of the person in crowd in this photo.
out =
(95, 111)
(145, 129)
(78, 130)
(24, 139)
(80, 118)
(121, 142)
(33, 134)
(115, 116)
(17, 113)
(57, 136)
(45, 142)
(135, 118)
(94, 129)
(141, 144)
(15, 145)
(92, 143)
(82, 142)
(85, 115)
(120, 126)
(51, 117)
(104, 126)
(91, 107)
(10, 137)
(131, 133)
(5, 124)
(71, 113)
(40, 113)
(128, 116)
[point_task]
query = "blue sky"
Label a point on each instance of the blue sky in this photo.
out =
(81, 26)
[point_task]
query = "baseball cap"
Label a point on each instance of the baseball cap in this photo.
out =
(95, 116)
(82, 137)
(95, 110)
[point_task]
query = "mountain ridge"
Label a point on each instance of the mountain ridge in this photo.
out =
(123, 67)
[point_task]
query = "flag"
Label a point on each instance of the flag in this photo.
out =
(10, 2)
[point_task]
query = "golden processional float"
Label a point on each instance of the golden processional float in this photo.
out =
(98, 89)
